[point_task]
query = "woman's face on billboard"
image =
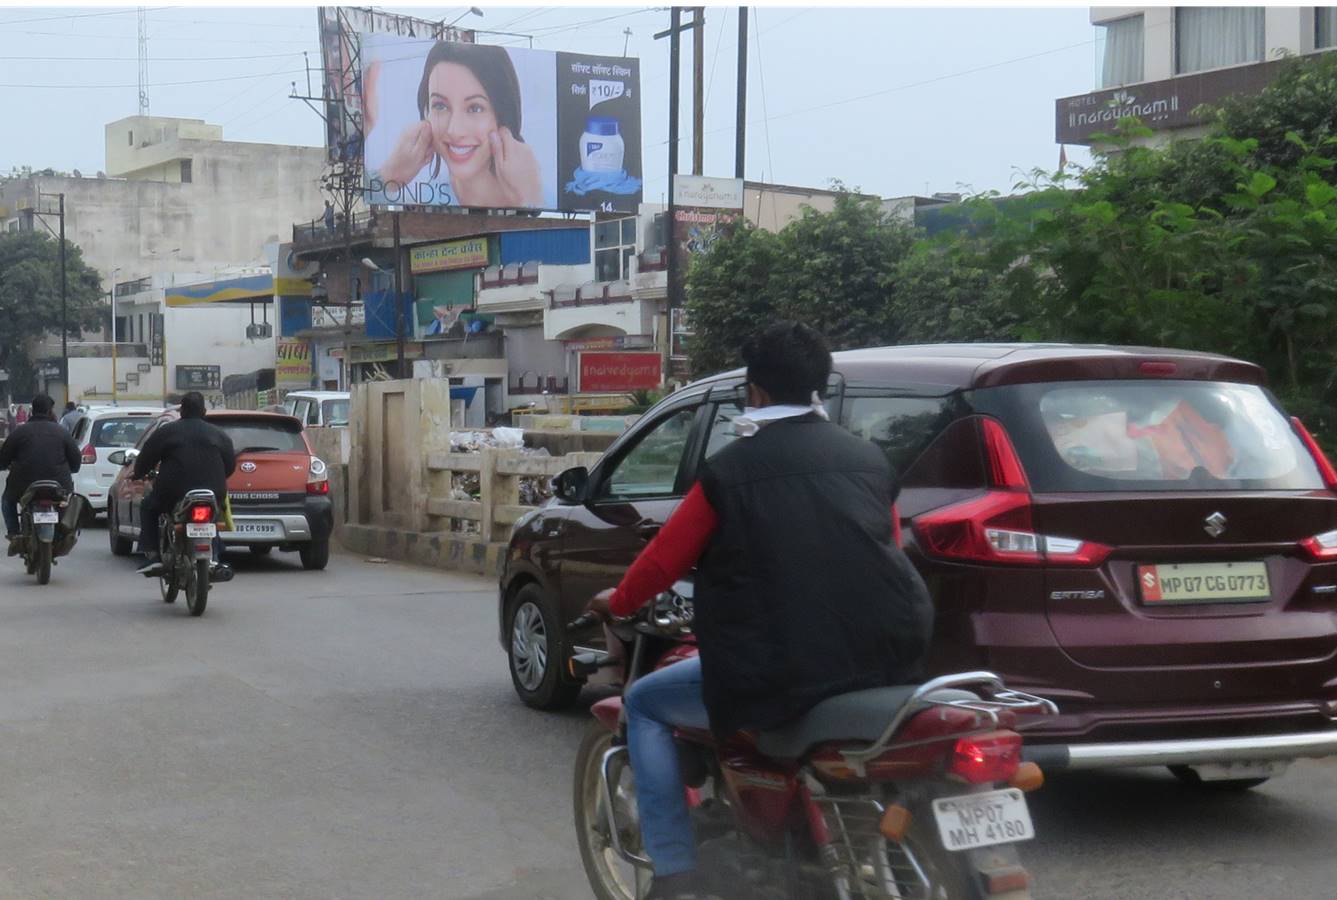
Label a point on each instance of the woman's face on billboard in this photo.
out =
(462, 118)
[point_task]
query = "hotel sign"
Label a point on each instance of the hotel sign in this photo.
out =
(1158, 104)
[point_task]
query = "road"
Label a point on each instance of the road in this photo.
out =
(352, 733)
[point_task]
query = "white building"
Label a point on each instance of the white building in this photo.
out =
(177, 203)
(1159, 63)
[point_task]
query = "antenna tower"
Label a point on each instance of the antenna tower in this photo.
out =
(143, 61)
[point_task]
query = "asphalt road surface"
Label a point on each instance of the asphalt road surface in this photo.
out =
(352, 733)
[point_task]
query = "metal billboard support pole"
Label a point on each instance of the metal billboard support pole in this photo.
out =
(399, 302)
(740, 137)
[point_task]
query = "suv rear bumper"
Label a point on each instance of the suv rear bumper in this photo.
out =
(1198, 751)
(314, 522)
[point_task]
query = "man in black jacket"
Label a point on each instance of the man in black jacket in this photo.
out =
(190, 454)
(39, 450)
(801, 590)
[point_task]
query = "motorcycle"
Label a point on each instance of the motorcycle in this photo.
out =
(186, 543)
(911, 792)
(49, 519)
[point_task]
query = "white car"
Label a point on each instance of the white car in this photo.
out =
(101, 432)
(329, 408)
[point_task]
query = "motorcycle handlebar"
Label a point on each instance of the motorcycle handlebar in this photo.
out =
(584, 621)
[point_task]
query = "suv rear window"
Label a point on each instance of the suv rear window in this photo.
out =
(258, 436)
(119, 432)
(1151, 436)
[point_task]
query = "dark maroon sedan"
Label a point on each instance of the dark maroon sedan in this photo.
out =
(1143, 536)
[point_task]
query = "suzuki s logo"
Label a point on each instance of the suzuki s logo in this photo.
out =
(248, 467)
(1214, 525)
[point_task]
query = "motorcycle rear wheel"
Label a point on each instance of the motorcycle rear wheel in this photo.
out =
(952, 875)
(43, 562)
(197, 587)
(610, 877)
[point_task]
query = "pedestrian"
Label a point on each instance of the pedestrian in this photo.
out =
(70, 418)
(329, 217)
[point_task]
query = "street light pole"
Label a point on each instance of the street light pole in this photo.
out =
(399, 302)
(64, 322)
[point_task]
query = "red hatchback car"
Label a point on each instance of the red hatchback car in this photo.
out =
(1141, 535)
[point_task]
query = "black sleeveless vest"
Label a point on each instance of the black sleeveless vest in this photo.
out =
(802, 593)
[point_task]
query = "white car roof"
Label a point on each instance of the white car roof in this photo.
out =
(318, 395)
(105, 412)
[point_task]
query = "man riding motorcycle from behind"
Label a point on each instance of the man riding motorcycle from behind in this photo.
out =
(38, 450)
(801, 590)
(190, 454)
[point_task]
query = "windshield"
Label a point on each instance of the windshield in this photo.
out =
(251, 436)
(336, 412)
(119, 432)
(1151, 436)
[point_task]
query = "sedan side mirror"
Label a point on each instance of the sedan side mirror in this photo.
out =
(571, 485)
(117, 458)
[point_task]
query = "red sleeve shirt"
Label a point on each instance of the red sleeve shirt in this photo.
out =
(673, 552)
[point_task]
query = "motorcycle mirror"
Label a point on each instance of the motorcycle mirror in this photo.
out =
(570, 486)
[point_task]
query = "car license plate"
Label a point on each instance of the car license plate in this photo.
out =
(1232, 582)
(258, 529)
(45, 518)
(982, 820)
(194, 530)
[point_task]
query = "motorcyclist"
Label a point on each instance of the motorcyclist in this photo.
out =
(38, 450)
(190, 454)
(801, 590)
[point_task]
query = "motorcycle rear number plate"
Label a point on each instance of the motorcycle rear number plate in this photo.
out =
(45, 518)
(1232, 582)
(982, 820)
(267, 529)
(201, 531)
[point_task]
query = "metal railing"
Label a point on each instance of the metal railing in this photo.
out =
(318, 233)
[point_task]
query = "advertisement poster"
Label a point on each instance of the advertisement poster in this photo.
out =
(491, 127)
(293, 363)
(602, 372)
(470, 253)
(705, 209)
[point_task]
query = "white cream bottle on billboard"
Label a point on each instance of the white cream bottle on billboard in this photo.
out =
(601, 146)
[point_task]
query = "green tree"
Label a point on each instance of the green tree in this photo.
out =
(30, 299)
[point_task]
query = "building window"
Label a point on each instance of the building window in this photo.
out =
(1325, 27)
(614, 246)
(1123, 52)
(185, 171)
(1210, 37)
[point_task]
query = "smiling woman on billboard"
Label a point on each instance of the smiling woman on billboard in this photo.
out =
(469, 103)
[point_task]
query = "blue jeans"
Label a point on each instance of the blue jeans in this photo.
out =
(10, 506)
(655, 705)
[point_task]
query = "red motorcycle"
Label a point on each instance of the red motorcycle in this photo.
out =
(904, 792)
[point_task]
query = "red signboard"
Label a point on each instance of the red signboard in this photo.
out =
(615, 372)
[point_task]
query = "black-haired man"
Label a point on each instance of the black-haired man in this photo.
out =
(71, 417)
(190, 454)
(38, 450)
(801, 590)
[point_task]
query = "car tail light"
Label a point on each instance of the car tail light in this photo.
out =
(997, 528)
(318, 481)
(200, 514)
(1321, 460)
(1321, 547)
(89, 456)
(986, 758)
(1163, 369)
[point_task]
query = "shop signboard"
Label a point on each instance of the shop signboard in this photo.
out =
(610, 372)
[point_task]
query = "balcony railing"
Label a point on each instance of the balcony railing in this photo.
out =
(509, 275)
(594, 293)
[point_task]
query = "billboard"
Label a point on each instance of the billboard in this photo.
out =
(609, 372)
(482, 126)
(470, 253)
(292, 363)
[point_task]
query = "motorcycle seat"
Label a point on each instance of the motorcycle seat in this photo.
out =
(43, 490)
(860, 716)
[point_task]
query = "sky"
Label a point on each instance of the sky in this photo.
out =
(891, 101)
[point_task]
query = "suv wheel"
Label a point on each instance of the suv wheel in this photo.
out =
(1188, 776)
(120, 546)
(315, 555)
(534, 647)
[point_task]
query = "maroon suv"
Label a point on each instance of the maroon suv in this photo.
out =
(1142, 536)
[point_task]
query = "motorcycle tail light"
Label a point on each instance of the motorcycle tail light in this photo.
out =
(200, 514)
(1325, 467)
(986, 758)
(89, 456)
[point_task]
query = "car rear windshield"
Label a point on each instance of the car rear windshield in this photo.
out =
(1151, 436)
(119, 432)
(256, 436)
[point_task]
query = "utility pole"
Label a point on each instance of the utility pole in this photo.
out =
(698, 90)
(399, 303)
(740, 137)
(674, 34)
(64, 302)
